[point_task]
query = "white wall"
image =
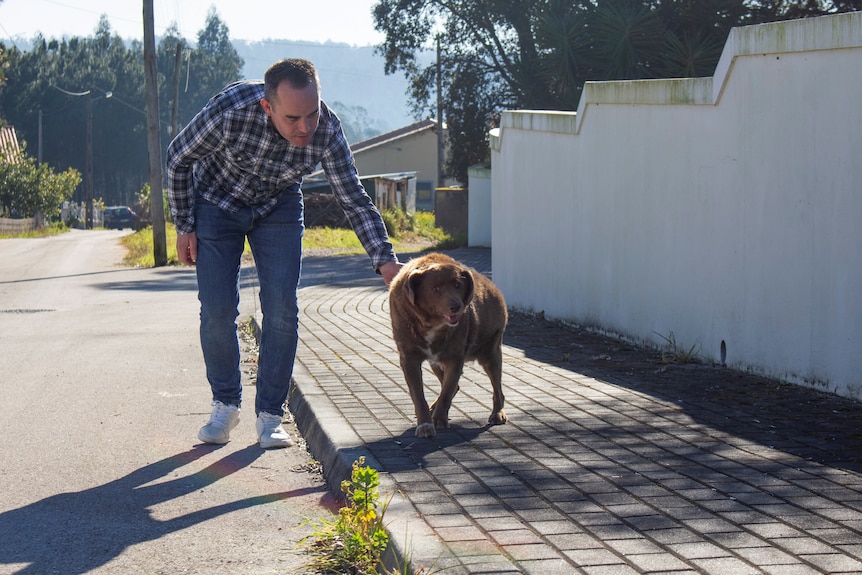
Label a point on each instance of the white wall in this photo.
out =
(479, 206)
(713, 209)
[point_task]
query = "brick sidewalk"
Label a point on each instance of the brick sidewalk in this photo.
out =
(611, 463)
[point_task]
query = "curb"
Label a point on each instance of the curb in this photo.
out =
(336, 446)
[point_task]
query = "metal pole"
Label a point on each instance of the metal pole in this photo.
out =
(175, 105)
(89, 185)
(40, 135)
(440, 149)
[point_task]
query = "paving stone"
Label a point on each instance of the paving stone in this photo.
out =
(613, 462)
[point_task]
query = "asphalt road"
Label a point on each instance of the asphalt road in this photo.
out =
(103, 393)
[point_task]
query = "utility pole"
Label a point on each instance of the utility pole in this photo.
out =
(440, 150)
(154, 144)
(88, 218)
(175, 105)
(88, 185)
(40, 136)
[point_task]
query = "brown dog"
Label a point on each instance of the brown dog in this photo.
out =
(446, 313)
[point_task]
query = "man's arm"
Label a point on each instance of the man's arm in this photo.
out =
(361, 212)
(201, 137)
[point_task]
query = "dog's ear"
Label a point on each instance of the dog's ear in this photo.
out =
(411, 286)
(469, 286)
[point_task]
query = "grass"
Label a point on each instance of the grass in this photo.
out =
(139, 247)
(674, 353)
(52, 230)
(405, 232)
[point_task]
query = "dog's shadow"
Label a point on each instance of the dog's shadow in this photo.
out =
(407, 452)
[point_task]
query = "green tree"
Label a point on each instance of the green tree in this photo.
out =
(42, 82)
(53, 81)
(28, 188)
(537, 54)
(204, 69)
(214, 64)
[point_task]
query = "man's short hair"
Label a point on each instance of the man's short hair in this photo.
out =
(298, 72)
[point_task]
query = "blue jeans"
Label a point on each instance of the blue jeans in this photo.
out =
(276, 243)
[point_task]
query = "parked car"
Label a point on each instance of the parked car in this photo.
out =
(119, 217)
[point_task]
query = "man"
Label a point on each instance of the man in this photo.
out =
(234, 173)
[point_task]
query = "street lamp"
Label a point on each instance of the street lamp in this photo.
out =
(89, 169)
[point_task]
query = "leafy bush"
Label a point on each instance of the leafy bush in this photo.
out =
(28, 188)
(398, 221)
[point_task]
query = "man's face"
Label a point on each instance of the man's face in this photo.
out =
(295, 113)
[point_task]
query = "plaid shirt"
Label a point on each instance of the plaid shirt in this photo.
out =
(232, 156)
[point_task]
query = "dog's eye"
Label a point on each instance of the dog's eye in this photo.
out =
(458, 284)
(437, 290)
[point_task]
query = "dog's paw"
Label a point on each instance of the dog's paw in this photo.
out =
(425, 430)
(441, 423)
(498, 417)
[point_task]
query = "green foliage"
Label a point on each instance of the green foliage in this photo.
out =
(139, 247)
(335, 238)
(537, 54)
(425, 225)
(354, 541)
(398, 221)
(403, 227)
(143, 208)
(28, 188)
(404, 231)
(101, 63)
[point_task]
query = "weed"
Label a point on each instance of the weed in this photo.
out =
(354, 541)
(673, 353)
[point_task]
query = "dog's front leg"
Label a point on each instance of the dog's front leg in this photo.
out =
(493, 366)
(412, 368)
(449, 387)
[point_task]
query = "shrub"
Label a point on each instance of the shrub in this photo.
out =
(28, 188)
(354, 541)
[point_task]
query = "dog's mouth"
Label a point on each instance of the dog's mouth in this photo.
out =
(452, 319)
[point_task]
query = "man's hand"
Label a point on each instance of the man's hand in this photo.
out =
(389, 271)
(187, 248)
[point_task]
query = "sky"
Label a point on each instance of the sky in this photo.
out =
(345, 21)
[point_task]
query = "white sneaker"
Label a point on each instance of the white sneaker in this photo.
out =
(222, 420)
(270, 433)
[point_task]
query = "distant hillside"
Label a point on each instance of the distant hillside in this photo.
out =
(350, 75)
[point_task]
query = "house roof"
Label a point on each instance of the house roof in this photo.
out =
(9, 142)
(394, 135)
(381, 140)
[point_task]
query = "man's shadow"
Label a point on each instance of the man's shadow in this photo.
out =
(76, 532)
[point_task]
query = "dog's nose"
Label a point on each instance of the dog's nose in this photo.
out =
(454, 307)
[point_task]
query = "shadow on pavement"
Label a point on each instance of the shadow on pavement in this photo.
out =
(76, 532)
(168, 279)
(406, 451)
(813, 425)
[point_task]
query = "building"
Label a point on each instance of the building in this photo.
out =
(408, 150)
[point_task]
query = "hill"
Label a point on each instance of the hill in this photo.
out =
(348, 74)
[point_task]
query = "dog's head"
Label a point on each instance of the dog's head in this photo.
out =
(441, 290)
